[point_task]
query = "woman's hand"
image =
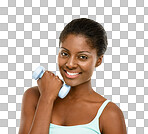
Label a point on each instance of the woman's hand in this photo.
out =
(49, 85)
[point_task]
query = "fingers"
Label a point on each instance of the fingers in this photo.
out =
(46, 74)
(49, 73)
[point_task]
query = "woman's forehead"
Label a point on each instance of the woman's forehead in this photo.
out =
(76, 42)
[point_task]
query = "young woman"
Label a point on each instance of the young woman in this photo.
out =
(83, 43)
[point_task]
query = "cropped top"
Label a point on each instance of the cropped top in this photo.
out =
(89, 128)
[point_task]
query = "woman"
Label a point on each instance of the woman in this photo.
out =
(83, 43)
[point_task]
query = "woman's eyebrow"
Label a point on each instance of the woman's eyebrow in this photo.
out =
(65, 48)
(79, 51)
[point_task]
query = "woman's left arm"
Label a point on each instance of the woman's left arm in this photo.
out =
(113, 120)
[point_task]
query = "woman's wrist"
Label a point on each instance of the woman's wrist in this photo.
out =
(47, 98)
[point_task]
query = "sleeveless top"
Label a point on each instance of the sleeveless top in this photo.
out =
(89, 128)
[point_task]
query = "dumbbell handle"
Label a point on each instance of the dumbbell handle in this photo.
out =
(38, 73)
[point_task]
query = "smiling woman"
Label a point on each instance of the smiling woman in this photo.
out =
(83, 43)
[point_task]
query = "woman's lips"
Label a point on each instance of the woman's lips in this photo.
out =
(71, 75)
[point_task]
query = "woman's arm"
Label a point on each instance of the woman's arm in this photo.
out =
(112, 120)
(35, 113)
(42, 116)
(37, 121)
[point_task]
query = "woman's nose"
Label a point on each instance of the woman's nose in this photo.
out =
(71, 63)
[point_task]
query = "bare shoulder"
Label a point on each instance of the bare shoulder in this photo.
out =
(32, 91)
(32, 94)
(112, 120)
(112, 110)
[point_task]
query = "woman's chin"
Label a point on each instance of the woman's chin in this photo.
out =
(72, 84)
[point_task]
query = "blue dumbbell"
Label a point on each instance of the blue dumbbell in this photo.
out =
(38, 73)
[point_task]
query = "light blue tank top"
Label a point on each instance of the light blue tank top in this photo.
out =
(90, 128)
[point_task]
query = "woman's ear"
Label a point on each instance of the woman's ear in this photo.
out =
(99, 61)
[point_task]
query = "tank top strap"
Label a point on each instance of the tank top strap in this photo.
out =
(102, 108)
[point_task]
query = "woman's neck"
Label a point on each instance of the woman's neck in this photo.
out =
(80, 91)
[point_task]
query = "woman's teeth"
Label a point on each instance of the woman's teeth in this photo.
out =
(72, 73)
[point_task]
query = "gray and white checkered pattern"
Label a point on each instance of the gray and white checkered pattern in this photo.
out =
(29, 31)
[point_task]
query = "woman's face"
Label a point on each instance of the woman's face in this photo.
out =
(77, 60)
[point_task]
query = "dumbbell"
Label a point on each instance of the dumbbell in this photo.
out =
(38, 73)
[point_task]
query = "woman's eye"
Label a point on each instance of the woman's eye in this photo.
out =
(64, 54)
(83, 57)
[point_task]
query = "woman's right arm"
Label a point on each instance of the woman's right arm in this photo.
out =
(42, 116)
(37, 120)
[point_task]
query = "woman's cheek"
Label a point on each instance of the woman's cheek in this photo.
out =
(88, 69)
(60, 61)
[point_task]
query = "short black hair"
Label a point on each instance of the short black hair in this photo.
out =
(93, 31)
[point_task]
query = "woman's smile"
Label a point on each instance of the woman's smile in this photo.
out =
(72, 75)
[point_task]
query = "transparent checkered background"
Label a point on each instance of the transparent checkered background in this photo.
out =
(29, 31)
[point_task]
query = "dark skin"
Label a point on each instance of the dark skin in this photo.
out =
(76, 56)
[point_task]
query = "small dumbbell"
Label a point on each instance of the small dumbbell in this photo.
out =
(38, 73)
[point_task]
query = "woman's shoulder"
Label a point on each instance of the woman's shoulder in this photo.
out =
(32, 95)
(33, 90)
(112, 116)
(110, 108)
